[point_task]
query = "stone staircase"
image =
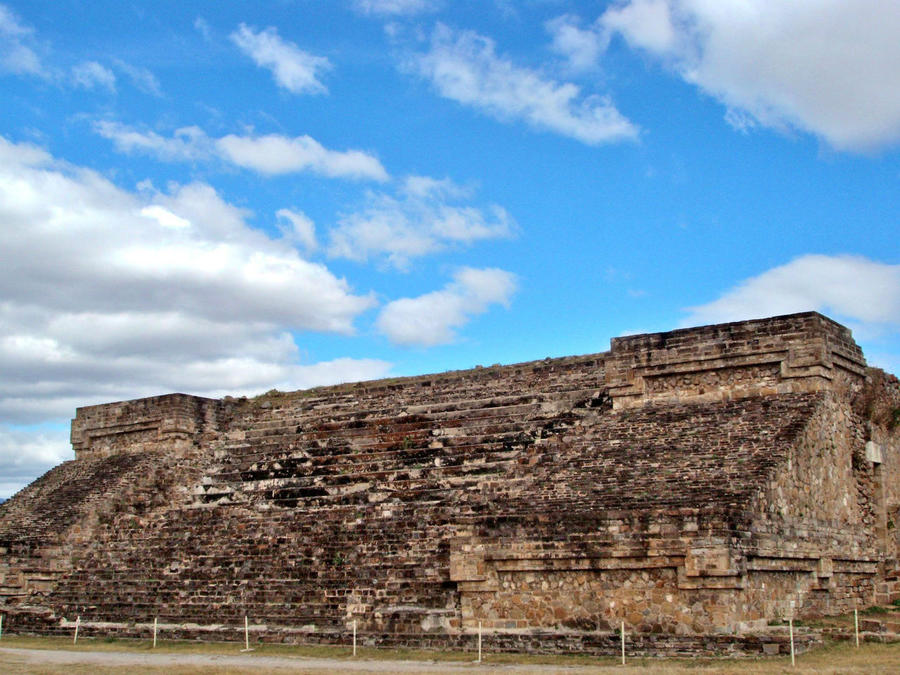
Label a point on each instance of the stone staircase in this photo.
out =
(321, 507)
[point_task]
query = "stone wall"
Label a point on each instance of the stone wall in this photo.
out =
(694, 484)
(794, 353)
(172, 422)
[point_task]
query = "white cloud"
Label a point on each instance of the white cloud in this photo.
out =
(821, 66)
(854, 288)
(644, 23)
(294, 69)
(108, 294)
(274, 154)
(395, 7)
(17, 53)
(90, 74)
(186, 144)
(26, 454)
(434, 318)
(270, 155)
(581, 47)
(203, 27)
(464, 67)
(419, 220)
(142, 78)
(298, 228)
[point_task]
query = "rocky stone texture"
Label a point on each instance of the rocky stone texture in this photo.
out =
(793, 353)
(696, 485)
(175, 422)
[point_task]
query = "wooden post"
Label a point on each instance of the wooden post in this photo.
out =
(479, 642)
(856, 626)
(791, 628)
(246, 635)
(622, 631)
(77, 624)
(354, 637)
(154, 631)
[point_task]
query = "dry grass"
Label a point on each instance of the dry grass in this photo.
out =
(834, 658)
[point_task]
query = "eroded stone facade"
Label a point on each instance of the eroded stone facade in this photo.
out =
(696, 485)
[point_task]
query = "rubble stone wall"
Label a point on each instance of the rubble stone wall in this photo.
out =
(794, 353)
(172, 422)
(694, 484)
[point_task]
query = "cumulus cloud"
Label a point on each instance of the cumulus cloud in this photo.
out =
(140, 77)
(824, 67)
(464, 67)
(186, 144)
(26, 454)
(90, 74)
(109, 294)
(274, 154)
(395, 7)
(864, 291)
(581, 47)
(17, 48)
(297, 227)
(271, 154)
(294, 69)
(434, 318)
(420, 219)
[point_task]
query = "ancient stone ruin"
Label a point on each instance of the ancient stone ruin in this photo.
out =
(698, 485)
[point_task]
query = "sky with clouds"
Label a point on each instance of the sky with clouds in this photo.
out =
(230, 199)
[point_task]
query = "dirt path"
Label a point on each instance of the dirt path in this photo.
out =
(61, 657)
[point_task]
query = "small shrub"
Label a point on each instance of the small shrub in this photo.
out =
(875, 609)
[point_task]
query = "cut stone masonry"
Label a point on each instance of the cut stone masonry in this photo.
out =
(697, 485)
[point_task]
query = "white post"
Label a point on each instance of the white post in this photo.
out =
(77, 624)
(354, 637)
(623, 642)
(154, 631)
(856, 625)
(246, 634)
(791, 628)
(1, 626)
(479, 642)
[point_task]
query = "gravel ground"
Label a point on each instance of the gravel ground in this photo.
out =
(61, 657)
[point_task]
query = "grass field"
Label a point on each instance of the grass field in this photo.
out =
(199, 658)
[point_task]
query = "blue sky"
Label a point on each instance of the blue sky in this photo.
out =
(226, 198)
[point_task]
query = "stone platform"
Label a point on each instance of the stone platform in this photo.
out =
(697, 485)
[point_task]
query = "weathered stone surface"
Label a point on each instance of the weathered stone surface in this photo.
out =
(696, 485)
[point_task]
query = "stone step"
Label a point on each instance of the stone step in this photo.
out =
(339, 467)
(399, 408)
(395, 426)
(384, 461)
(383, 439)
(396, 407)
(293, 449)
(380, 477)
